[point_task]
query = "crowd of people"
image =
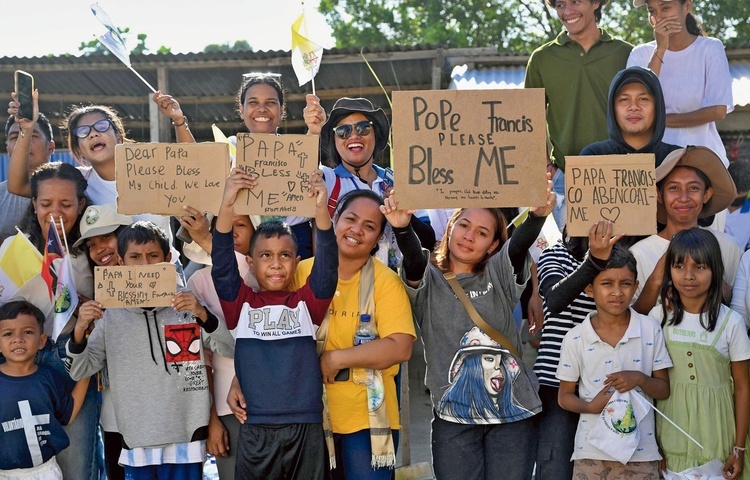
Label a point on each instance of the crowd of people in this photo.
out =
(255, 361)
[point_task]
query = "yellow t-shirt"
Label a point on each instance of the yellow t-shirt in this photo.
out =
(347, 401)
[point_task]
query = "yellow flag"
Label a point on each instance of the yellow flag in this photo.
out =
(20, 261)
(306, 54)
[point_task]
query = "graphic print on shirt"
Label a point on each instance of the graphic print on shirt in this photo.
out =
(183, 343)
(33, 429)
(481, 379)
(274, 322)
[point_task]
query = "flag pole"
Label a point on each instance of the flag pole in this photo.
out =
(153, 90)
(65, 238)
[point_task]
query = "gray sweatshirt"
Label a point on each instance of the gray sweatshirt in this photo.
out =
(156, 371)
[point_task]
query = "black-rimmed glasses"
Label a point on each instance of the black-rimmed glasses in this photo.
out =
(83, 131)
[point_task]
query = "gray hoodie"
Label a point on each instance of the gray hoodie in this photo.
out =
(156, 371)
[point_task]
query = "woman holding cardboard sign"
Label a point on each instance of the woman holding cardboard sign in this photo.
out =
(482, 423)
(354, 134)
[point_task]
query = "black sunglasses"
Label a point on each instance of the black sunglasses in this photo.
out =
(83, 131)
(362, 128)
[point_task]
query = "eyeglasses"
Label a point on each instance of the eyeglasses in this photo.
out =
(83, 131)
(362, 128)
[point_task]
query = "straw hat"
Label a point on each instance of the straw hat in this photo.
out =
(705, 160)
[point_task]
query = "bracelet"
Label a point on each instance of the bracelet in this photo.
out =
(657, 56)
(184, 123)
(736, 451)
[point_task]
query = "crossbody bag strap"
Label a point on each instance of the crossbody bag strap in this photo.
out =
(450, 277)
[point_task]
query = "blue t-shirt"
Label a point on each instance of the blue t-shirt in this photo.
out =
(33, 410)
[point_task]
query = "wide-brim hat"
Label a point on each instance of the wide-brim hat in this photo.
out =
(476, 341)
(100, 219)
(638, 3)
(705, 160)
(346, 106)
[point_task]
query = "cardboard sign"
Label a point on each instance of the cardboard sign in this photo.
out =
(620, 188)
(469, 148)
(283, 164)
(135, 286)
(160, 178)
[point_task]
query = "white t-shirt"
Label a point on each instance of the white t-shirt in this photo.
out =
(693, 78)
(648, 251)
(741, 291)
(102, 192)
(733, 344)
(587, 360)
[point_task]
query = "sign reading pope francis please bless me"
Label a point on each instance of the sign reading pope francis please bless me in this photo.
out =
(469, 148)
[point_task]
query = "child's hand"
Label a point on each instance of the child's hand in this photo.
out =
(196, 224)
(734, 464)
(597, 404)
(236, 181)
(547, 208)
(217, 443)
(318, 189)
(625, 380)
(87, 313)
(168, 106)
(601, 240)
(236, 401)
(320, 192)
(184, 301)
(396, 217)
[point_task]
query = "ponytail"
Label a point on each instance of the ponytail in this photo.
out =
(694, 26)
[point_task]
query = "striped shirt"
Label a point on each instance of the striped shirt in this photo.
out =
(555, 264)
(178, 453)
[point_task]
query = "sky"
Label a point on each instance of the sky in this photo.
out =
(184, 25)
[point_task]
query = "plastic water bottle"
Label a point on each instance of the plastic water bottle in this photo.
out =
(365, 333)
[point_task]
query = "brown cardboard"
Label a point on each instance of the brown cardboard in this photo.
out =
(621, 188)
(135, 286)
(160, 178)
(283, 164)
(469, 148)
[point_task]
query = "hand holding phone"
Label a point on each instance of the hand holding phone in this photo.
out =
(24, 94)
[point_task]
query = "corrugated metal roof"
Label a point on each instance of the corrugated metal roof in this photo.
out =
(511, 76)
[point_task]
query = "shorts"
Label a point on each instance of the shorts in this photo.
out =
(49, 470)
(611, 469)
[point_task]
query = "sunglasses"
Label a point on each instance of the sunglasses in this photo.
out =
(362, 128)
(83, 131)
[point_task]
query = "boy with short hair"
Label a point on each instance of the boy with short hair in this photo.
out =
(276, 362)
(35, 402)
(156, 371)
(614, 348)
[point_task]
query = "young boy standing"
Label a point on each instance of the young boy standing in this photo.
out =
(276, 363)
(615, 348)
(35, 403)
(156, 370)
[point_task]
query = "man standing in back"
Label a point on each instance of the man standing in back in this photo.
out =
(575, 69)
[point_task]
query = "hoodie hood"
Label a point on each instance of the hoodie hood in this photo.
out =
(616, 144)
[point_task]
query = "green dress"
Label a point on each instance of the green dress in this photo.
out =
(701, 402)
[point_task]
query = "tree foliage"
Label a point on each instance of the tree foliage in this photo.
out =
(95, 47)
(516, 26)
(238, 46)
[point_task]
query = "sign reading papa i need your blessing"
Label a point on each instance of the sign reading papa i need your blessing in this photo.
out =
(478, 148)
(159, 178)
(619, 188)
(283, 165)
(135, 285)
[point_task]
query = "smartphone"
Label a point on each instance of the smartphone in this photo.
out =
(184, 235)
(24, 92)
(343, 375)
